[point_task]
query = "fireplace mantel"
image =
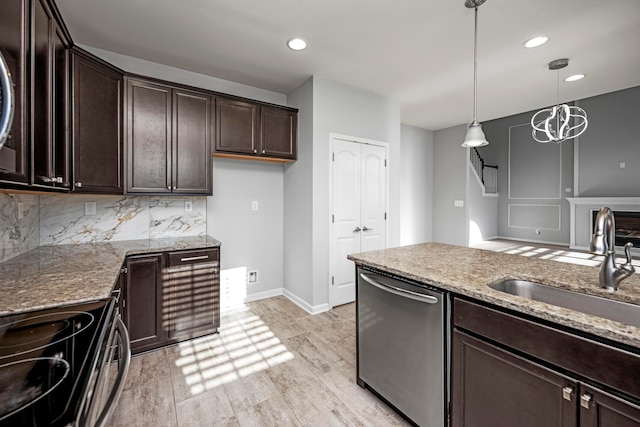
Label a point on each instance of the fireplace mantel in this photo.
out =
(580, 216)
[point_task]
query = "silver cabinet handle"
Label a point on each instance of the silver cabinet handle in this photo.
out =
(79, 184)
(264, 151)
(255, 151)
(399, 291)
(585, 400)
(194, 258)
(566, 393)
(357, 230)
(365, 228)
(123, 360)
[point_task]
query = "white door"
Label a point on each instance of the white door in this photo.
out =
(359, 198)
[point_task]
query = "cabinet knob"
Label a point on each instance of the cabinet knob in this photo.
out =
(79, 184)
(585, 400)
(264, 151)
(566, 393)
(255, 151)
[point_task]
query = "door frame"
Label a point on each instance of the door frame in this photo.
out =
(354, 139)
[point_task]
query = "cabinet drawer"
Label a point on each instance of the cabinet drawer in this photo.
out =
(183, 258)
(588, 358)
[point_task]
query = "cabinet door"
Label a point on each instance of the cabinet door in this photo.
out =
(193, 303)
(143, 302)
(14, 22)
(278, 129)
(236, 126)
(148, 137)
(97, 126)
(494, 388)
(191, 142)
(50, 150)
(600, 409)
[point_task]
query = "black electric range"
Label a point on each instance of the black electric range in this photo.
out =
(47, 359)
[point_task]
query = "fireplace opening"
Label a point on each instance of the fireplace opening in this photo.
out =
(627, 226)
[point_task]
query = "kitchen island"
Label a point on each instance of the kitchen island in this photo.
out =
(507, 360)
(50, 276)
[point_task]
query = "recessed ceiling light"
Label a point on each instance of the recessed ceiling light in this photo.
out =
(574, 78)
(296, 44)
(536, 41)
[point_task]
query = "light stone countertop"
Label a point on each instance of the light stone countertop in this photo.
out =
(51, 276)
(468, 272)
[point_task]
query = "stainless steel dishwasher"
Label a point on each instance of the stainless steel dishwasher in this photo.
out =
(402, 345)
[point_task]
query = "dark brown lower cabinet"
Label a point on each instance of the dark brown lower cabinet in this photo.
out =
(142, 298)
(508, 371)
(171, 297)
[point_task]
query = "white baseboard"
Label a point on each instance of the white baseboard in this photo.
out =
(263, 295)
(311, 309)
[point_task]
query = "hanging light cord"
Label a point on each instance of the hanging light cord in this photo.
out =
(475, 68)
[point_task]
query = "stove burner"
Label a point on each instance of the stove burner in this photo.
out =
(25, 382)
(36, 332)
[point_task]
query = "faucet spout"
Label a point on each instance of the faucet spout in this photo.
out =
(603, 243)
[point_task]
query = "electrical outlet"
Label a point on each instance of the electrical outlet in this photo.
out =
(89, 208)
(254, 205)
(537, 231)
(188, 207)
(623, 165)
(458, 203)
(252, 277)
(20, 210)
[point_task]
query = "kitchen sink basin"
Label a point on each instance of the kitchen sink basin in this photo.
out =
(618, 311)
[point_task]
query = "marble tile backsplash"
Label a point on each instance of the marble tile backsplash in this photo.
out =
(61, 219)
(19, 224)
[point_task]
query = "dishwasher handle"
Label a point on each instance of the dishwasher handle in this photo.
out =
(399, 291)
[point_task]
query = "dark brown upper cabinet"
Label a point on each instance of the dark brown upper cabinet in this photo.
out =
(168, 139)
(14, 36)
(50, 43)
(249, 130)
(96, 125)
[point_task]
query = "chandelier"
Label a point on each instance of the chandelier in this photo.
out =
(560, 122)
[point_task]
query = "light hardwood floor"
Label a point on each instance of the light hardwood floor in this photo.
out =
(272, 364)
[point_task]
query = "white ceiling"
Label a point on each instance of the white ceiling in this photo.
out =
(416, 52)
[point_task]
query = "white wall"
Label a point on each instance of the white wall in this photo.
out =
(416, 190)
(251, 240)
(450, 184)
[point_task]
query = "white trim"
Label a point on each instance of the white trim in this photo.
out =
(263, 295)
(532, 241)
(534, 228)
(304, 305)
(604, 200)
(509, 171)
(336, 136)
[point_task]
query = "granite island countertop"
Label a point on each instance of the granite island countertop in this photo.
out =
(469, 272)
(50, 276)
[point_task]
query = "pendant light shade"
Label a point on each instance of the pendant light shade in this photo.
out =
(475, 136)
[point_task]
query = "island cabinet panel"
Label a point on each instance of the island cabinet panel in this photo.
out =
(49, 99)
(97, 125)
(14, 37)
(142, 298)
(171, 297)
(168, 139)
(509, 370)
(253, 131)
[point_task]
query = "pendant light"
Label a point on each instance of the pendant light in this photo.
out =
(560, 122)
(475, 136)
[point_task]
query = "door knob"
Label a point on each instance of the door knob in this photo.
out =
(357, 230)
(365, 228)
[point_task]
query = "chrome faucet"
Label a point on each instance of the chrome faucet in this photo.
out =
(603, 243)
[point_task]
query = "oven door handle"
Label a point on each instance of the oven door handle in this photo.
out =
(124, 359)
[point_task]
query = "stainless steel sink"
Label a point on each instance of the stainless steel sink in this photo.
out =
(618, 311)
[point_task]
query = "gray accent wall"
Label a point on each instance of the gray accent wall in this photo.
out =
(416, 190)
(610, 139)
